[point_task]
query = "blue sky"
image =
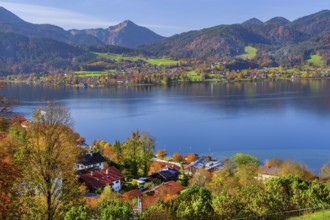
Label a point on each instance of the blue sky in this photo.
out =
(166, 17)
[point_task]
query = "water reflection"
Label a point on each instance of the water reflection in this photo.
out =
(288, 119)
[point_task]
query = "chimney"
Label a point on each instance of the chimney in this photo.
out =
(91, 173)
(107, 171)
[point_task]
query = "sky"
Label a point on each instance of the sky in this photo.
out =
(165, 17)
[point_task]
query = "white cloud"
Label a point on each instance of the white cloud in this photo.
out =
(57, 16)
(68, 19)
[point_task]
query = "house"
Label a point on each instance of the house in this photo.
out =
(265, 173)
(166, 164)
(203, 163)
(166, 174)
(25, 124)
(163, 192)
(20, 119)
(97, 179)
(90, 161)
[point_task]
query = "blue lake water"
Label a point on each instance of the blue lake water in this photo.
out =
(286, 119)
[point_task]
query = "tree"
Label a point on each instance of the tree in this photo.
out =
(243, 159)
(80, 212)
(147, 152)
(6, 105)
(177, 157)
(113, 210)
(48, 162)
(200, 178)
(137, 152)
(9, 176)
(161, 154)
(193, 203)
(191, 158)
(325, 172)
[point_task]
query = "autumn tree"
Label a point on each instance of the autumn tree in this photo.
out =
(48, 162)
(161, 154)
(177, 157)
(325, 172)
(191, 158)
(6, 104)
(200, 178)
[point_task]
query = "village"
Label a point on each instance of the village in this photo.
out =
(131, 180)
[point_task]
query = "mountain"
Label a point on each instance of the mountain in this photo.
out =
(125, 34)
(252, 21)
(9, 22)
(222, 40)
(22, 54)
(314, 24)
(277, 40)
(278, 21)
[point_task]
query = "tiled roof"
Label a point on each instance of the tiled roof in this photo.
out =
(164, 192)
(128, 196)
(25, 123)
(272, 171)
(18, 119)
(167, 164)
(91, 158)
(100, 178)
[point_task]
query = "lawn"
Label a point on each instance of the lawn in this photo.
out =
(315, 216)
(162, 62)
(194, 76)
(93, 73)
(315, 60)
(117, 57)
(250, 53)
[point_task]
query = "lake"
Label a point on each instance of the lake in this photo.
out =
(286, 119)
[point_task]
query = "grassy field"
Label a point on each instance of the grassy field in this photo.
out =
(250, 53)
(194, 76)
(316, 60)
(161, 61)
(315, 216)
(117, 57)
(93, 73)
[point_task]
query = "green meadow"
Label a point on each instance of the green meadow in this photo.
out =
(161, 61)
(93, 73)
(323, 215)
(194, 76)
(250, 53)
(117, 57)
(315, 60)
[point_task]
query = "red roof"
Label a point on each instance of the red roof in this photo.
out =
(167, 164)
(128, 196)
(100, 178)
(164, 192)
(18, 119)
(25, 123)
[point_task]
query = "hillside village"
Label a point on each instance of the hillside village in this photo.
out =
(155, 182)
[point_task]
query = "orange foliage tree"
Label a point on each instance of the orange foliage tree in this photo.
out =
(177, 157)
(161, 154)
(191, 158)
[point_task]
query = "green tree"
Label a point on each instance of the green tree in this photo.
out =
(48, 162)
(243, 159)
(80, 212)
(193, 203)
(114, 210)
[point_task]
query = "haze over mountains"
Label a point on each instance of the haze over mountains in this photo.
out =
(278, 41)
